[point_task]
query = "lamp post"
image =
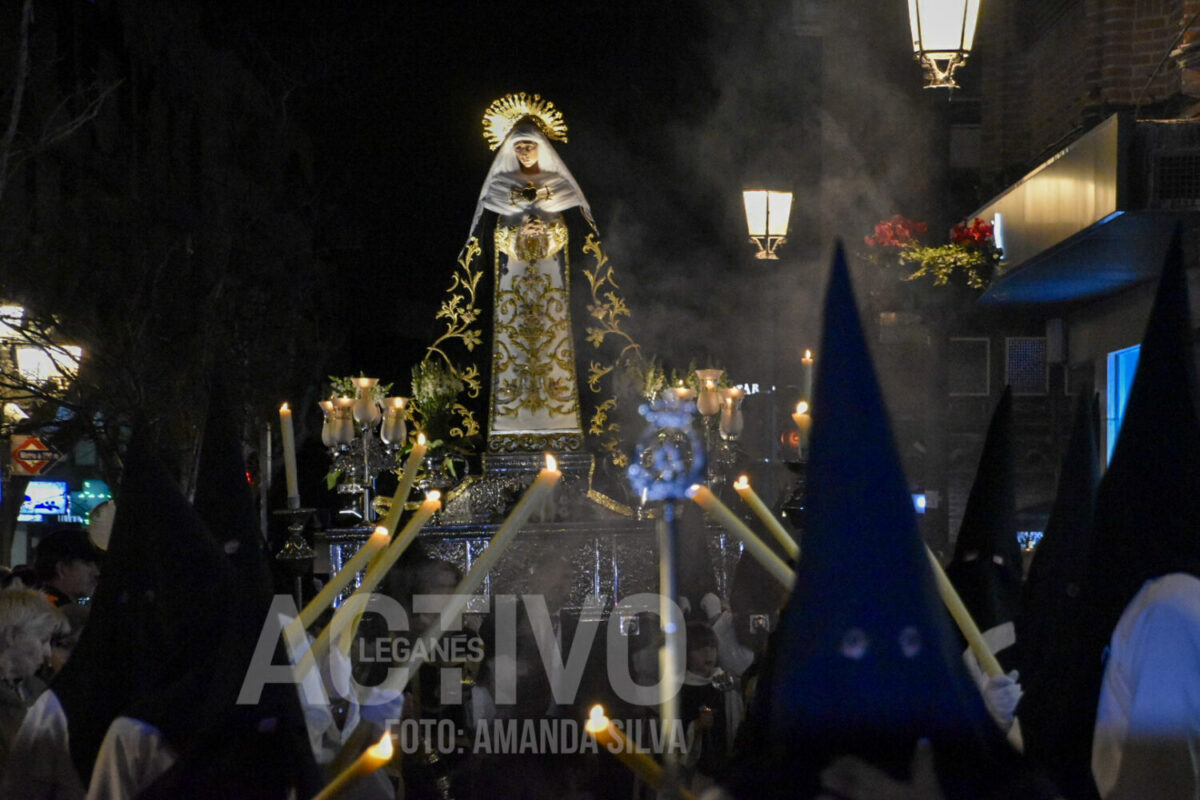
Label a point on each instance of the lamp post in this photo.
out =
(767, 213)
(942, 33)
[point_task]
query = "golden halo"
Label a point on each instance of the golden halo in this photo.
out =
(504, 114)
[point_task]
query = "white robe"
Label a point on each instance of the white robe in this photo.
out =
(40, 765)
(1147, 737)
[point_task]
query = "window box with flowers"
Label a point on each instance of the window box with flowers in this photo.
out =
(969, 260)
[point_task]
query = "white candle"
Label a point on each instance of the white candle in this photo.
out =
(344, 618)
(751, 498)
(371, 759)
(374, 544)
(807, 361)
(533, 498)
(410, 474)
(754, 545)
(288, 434)
(803, 421)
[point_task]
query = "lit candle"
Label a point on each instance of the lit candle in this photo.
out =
(372, 759)
(329, 423)
(374, 544)
(366, 411)
(751, 498)
(709, 402)
(807, 363)
(970, 631)
(732, 422)
(394, 430)
(345, 419)
(613, 739)
(410, 475)
(803, 421)
(288, 434)
(530, 502)
(683, 393)
(349, 611)
(754, 546)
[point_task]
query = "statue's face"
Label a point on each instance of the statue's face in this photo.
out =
(527, 153)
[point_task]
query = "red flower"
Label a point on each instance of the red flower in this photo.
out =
(896, 232)
(978, 233)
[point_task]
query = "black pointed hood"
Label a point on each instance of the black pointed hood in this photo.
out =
(1148, 503)
(263, 748)
(986, 568)
(157, 611)
(865, 661)
(1052, 605)
(223, 497)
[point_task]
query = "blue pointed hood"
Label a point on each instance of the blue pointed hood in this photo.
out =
(865, 663)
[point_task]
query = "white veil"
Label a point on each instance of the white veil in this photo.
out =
(505, 175)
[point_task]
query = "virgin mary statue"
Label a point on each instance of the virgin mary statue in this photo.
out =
(533, 319)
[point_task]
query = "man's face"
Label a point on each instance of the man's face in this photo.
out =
(527, 154)
(77, 577)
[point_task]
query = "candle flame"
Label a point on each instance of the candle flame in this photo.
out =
(808, 354)
(421, 439)
(802, 407)
(383, 748)
(283, 408)
(742, 483)
(326, 405)
(381, 530)
(597, 720)
(551, 463)
(433, 495)
(693, 489)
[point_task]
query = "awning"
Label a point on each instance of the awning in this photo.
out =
(1097, 217)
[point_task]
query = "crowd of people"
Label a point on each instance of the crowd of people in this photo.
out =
(852, 685)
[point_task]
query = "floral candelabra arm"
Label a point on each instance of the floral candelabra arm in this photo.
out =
(668, 460)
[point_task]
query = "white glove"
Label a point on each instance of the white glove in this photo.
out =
(710, 604)
(1001, 693)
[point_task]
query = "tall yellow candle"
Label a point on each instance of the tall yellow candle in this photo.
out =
(410, 475)
(372, 759)
(613, 739)
(288, 434)
(962, 617)
(751, 498)
(348, 612)
(541, 487)
(374, 544)
(772, 563)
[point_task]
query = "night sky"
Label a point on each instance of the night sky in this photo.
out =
(672, 109)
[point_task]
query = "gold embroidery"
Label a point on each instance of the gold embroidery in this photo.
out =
(504, 114)
(459, 309)
(533, 357)
(533, 239)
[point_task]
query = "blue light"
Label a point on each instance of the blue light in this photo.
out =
(919, 502)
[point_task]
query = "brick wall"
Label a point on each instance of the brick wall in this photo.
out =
(1052, 68)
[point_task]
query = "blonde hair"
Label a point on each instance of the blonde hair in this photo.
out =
(30, 610)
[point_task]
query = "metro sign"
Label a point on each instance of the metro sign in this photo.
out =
(31, 456)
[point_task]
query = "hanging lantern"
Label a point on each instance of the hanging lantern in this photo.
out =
(767, 215)
(942, 32)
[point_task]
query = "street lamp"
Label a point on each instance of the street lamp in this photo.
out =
(942, 32)
(767, 213)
